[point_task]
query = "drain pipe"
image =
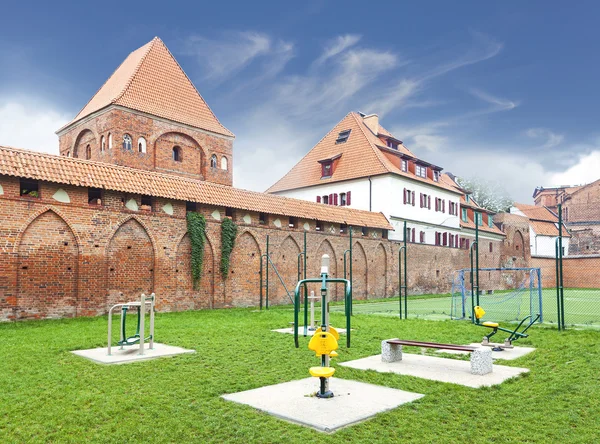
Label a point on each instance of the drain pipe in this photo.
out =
(370, 191)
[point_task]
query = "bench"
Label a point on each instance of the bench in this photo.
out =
(481, 358)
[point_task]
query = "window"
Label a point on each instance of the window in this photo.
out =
(224, 163)
(320, 227)
(94, 196)
(109, 141)
(293, 222)
(343, 199)
(436, 175)
(479, 218)
(421, 171)
(325, 200)
(391, 144)
(467, 198)
(409, 197)
(403, 165)
(491, 247)
(127, 142)
(422, 237)
(490, 221)
(229, 212)
(102, 144)
(464, 215)
(88, 152)
(68, 153)
(364, 231)
(413, 236)
(343, 228)
(451, 241)
(326, 169)
(147, 201)
(141, 145)
(213, 161)
(262, 218)
(29, 188)
(445, 239)
(384, 234)
(437, 238)
(343, 136)
(190, 207)
(177, 154)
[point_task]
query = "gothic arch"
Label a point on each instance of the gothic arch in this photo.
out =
(519, 243)
(84, 138)
(359, 271)
(185, 295)
(130, 257)
(37, 214)
(47, 267)
(244, 279)
(378, 273)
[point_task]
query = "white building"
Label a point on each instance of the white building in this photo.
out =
(362, 165)
(543, 229)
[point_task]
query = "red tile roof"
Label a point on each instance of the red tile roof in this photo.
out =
(65, 170)
(151, 81)
(534, 212)
(547, 228)
(363, 155)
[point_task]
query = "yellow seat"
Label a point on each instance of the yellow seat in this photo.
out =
(323, 343)
(479, 312)
(490, 324)
(322, 372)
(331, 330)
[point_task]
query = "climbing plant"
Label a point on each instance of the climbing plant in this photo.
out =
(196, 224)
(228, 233)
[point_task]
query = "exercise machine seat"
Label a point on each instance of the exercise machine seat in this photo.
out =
(322, 372)
(490, 324)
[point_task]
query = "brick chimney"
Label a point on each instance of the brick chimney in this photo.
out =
(372, 122)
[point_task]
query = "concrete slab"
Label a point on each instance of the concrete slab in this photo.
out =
(130, 354)
(290, 331)
(295, 401)
(452, 371)
(508, 354)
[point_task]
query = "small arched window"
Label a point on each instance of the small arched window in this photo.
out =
(141, 145)
(127, 142)
(88, 152)
(102, 144)
(109, 141)
(176, 154)
(213, 161)
(224, 163)
(68, 153)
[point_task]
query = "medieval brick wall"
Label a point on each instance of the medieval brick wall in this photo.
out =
(578, 271)
(196, 147)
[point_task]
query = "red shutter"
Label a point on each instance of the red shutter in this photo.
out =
(429, 202)
(413, 198)
(436, 204)
(348, 198)
(404, 195)
(413, 235)
(331, 199)
(335, 199)
(318, 199)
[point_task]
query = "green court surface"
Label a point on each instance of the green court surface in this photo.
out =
(582, 306)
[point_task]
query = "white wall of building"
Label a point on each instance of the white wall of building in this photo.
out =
(546, 245)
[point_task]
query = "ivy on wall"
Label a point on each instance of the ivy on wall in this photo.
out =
(196, 224)
(228, 234)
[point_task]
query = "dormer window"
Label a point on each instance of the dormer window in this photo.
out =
(404, 165)
(326, 168)
(343, 136)
(436, 175)
(421, 171)
(391, 144)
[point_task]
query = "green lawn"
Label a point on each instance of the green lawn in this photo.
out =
(49, 395)
(582, 306)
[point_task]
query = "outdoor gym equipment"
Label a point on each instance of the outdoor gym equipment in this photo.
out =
(139, 336)
(514, 334)
(325, 340)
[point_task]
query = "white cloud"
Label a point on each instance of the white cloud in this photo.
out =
(586, 170)
(340, 44)
(25, 123)
(497, 103)
(549, 139)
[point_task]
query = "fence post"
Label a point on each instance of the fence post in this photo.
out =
(560, 252)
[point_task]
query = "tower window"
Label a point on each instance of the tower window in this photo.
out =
(177, 154)
(343, 136)
(102, 144)
(109, 141)
(141, 145)
(213, 161)
(88, 152)
(68, 153)
(224, 163)
(127, 142)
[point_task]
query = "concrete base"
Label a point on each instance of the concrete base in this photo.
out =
(437, 369)
(130, 354)
(295, 401)
(509, 354)
(290, 330)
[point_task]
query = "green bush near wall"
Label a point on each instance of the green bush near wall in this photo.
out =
(228, 234)
(196, 224)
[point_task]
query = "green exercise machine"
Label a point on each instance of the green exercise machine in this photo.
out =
(145, 302)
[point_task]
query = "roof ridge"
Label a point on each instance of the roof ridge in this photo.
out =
(135, 72)
(308, 152)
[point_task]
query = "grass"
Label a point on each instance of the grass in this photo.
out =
(47, 394)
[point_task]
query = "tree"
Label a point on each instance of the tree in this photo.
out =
(490, 195)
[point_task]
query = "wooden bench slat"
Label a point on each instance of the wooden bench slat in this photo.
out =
(432, 345)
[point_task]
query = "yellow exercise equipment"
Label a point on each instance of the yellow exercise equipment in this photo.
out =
(331, 330)
(514, 334)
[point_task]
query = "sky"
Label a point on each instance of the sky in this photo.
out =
(505, 91)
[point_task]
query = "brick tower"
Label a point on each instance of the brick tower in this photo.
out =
(148, 115)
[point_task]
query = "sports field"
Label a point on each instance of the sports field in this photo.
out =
(582, 306)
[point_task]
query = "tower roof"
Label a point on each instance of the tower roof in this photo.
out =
(151, 81)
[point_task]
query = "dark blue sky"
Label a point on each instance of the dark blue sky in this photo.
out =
(503, 90)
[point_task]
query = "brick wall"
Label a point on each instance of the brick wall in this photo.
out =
(578, 271)
(196, 146)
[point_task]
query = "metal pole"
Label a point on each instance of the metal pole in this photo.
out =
(558, 316)
(141, 322)
(305, 288)
(539, 279)
(324, 316)
(405, 273)
(152, 302)
(478, 217)
(260, 272)
(560, 250)
(351, 281)
(267, 277)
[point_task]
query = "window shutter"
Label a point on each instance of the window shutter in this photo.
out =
(413, 198)
(413, 235)
(335, 199)
(436, 204)
(348, 198)
(404, 195)
(444, 206)
(318, 199)
(429, 202)
(331, 199)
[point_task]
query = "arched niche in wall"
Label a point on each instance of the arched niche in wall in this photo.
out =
(189, 158)
(84, 138)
